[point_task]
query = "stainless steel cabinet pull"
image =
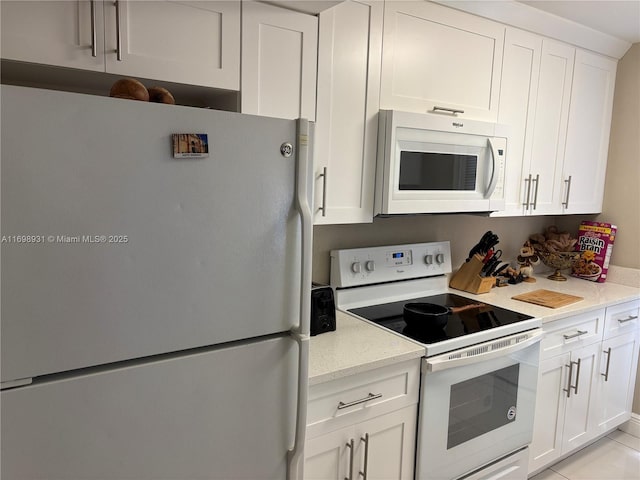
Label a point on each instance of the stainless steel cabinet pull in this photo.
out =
(606, 372)
(323, 208)
(574, 335)
(569, 386)
(350, 447)
(371, 396)
(94, 46)
(628, 319)
(565, 204)
(527, 181)
(453, 111)
(365, 439)
(535, 192)
(118, 36)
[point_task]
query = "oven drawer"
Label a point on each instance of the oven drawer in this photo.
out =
(621, 319)
(568, 333)
(345, 401)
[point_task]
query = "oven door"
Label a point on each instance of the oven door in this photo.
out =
(477, 405)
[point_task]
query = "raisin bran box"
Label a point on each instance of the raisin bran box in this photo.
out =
(595, 241)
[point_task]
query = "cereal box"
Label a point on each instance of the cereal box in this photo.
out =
(595, 241)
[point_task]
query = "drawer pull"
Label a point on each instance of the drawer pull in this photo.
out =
(628, 319)
(453, 111)
(574, 335)
(606, 372)
(371, 396)
(350, 447)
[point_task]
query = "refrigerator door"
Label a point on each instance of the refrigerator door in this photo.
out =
(115, 250)
(218, 414)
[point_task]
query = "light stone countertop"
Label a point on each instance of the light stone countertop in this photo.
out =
(358, 346)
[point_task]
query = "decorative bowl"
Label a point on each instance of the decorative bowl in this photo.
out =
(558, 261)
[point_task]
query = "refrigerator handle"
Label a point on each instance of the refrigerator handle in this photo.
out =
(295, 466)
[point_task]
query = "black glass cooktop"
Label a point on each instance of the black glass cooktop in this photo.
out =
(485, 317)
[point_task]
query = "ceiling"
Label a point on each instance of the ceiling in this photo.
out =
(619, 18)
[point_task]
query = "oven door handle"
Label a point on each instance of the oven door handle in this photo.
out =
(482, 352)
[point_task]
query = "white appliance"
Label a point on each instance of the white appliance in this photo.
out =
(155, 310)
(479, 372)
(430, 163)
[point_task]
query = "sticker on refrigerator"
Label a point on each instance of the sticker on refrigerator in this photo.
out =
(190, 145)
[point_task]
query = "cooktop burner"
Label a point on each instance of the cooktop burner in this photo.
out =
(486, 317)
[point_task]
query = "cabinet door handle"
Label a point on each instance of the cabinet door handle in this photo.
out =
(574, 335)
(371, 396)
(628, 319)
(350, 447)
(535, 192)
(606, 372)
(527, 182)
(565, 204)
(118, 36)
(94, 46)
(453, 111)
(365, 439)
(569, 386)
(323, 208)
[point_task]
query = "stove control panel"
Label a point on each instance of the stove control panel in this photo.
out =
(364, 266)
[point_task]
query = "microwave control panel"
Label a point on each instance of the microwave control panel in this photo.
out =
(364, 266)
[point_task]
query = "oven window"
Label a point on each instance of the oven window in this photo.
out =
(437, 171)
(482, 404)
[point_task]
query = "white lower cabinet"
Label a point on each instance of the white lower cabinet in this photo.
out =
(364, 425)
(381, 448)
(586, 379)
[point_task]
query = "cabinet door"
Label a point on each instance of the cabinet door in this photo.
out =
(389, 445)
(581, 402)
(588, 132)
(615, 380)
(279, 59)
(551, 399)
(349, 54)
(185, 42)
(518, 93)
(330, 456)
(549, 135)
(438, 56)
(63, 33)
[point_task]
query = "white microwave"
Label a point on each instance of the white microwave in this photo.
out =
(430, 163)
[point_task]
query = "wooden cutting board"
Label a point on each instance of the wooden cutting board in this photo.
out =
(548, 298)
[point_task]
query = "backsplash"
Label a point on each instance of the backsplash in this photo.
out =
(463, 231)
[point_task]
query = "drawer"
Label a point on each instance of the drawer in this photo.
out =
(572, 332)
(621, 319)
(348, 400)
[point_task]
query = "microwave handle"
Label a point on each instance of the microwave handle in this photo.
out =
(494, 176)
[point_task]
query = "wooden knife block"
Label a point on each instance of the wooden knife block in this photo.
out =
(468, 278)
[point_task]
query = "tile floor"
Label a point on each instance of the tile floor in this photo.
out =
(614, 457)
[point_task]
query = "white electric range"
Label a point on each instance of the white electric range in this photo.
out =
(479, 371)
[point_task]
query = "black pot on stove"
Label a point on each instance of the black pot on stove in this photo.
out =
(430, 315)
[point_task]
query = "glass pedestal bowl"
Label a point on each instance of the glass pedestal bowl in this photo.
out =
(558, 261)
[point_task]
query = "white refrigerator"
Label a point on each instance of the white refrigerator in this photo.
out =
(155, 309)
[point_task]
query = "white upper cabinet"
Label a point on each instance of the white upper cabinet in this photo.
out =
(350, 43)
(585, 159)
(534, 104)
(435, 56)
(194, 43)
(279, 59)
(65, 33)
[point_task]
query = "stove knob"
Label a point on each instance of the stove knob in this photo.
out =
(370, 265)
(356, 267)
(428, 259)
(440, 258)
